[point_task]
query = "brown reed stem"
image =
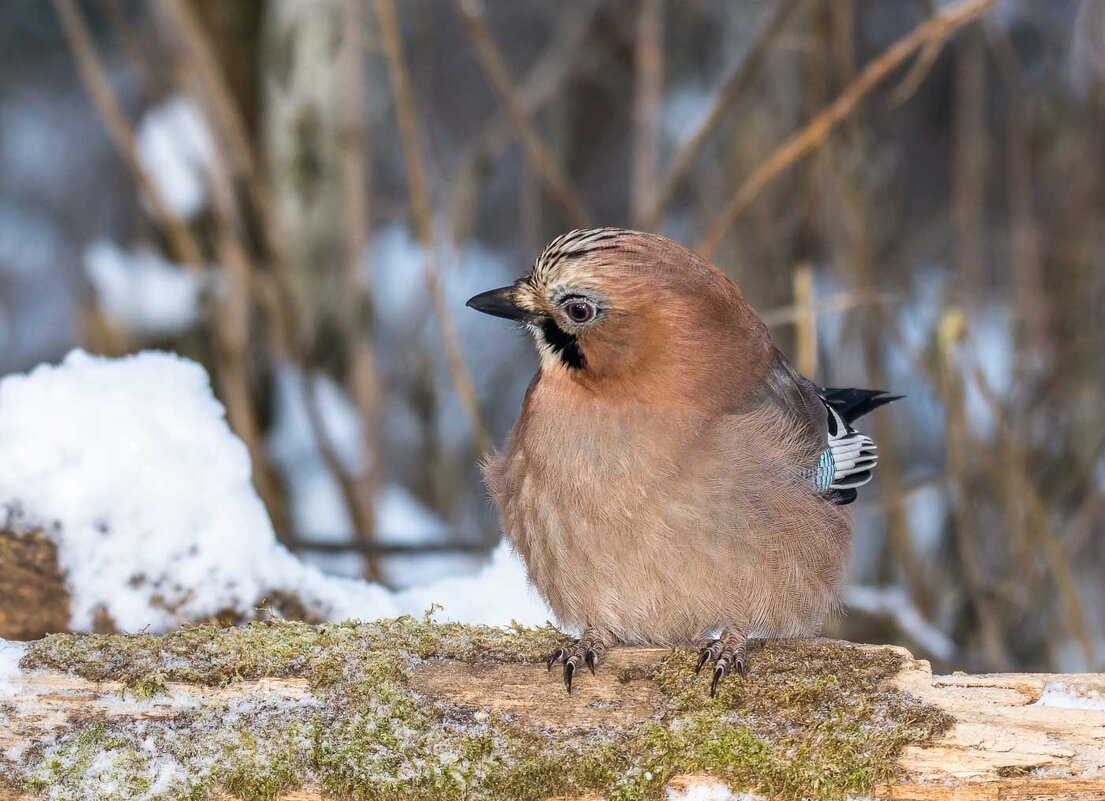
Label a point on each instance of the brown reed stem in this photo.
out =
(94, 77)
(734, 84)
(364, 384)
(805, 141)
(391, 41)
(1073, 618)
(537, 152)
(647, 101)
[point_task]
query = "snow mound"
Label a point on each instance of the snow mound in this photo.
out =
(129, 466)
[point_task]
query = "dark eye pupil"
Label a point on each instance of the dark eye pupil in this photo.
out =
(579, 312)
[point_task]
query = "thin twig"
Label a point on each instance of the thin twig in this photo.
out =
(851, 212)
(965, 527)
(365, 386)
(1030, 300)
(830, 304)
(542, 81)
(734, 84)
(537, 152)
(230, 129)
(805, 302)
(94, 77)
(152, 82)
(647, 99)
(388, 22)
(1059, 564)
(815, 133)
(969, 164)
(546, 76)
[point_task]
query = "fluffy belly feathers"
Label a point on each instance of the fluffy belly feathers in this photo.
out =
(666, 546)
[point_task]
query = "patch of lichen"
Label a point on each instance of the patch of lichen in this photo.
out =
(814, 719)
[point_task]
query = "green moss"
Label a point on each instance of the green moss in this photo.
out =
(814, 719)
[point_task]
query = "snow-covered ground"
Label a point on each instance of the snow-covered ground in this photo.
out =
(129, 466)
(10, 654)
(1070, 695)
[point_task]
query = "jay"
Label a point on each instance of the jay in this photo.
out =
(671, 476)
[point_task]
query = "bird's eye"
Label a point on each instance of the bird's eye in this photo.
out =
(579, 311)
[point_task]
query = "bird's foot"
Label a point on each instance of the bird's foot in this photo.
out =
(587, 650)
(728, 653)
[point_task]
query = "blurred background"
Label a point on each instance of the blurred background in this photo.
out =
(301, 194)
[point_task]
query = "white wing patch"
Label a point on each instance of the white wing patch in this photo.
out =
(853, 454)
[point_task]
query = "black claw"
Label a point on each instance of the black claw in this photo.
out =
(552, 660)
(719, 671)
(702, 661)
(569, 671)
(590, 660)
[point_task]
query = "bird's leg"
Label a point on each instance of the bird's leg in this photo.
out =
(728, 653)
(587, 650)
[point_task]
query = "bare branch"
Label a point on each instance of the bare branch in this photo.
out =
(387, 19)
(537, 152)
(815, 133)
(738, 79)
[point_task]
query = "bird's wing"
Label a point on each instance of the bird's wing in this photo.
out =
(842, 458)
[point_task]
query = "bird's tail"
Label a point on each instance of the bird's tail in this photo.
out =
(852, 404)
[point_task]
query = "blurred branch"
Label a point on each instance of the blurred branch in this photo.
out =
(647, 103)
(850, 213)
(230, 322)
(538, 154)
(965, 528)
(921, 67)
(231, 328)
(1059, 564)
(1031, 307)
(94, 77)
(970, 151)
(546, 75)
(151, 81)
(801, 144)
(376, 548)
(364, 375)
(805, 304)
(542, 81)
(391, 41)
(208, 85)
(734, 84)
(230, 129)
(830, 304)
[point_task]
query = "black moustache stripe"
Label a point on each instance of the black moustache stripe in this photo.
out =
(563, 344)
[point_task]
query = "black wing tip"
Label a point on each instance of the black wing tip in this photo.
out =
(853, 404)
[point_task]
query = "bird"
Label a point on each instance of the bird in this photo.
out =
(671, 479)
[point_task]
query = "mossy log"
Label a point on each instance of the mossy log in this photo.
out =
(414, 709)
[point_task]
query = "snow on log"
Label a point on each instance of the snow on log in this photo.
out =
(126, 504)
(409, 708)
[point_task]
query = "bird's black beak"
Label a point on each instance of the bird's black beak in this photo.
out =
(499, 303)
